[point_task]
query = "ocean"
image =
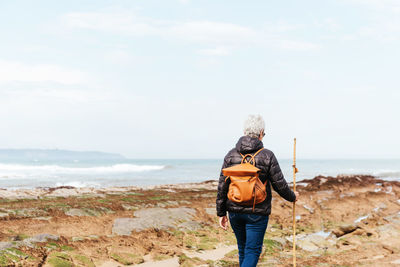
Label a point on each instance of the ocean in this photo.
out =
(127, 172)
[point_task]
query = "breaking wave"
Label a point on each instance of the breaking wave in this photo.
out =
(18, 170)
(388, 174)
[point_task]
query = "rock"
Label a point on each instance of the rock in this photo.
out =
(170, 190)
(361, 218)
(161, 205)
(81, 212)
(312, 242)
(363, 231)
(28, 212)
(298, 237)
(378, 257)
(152, 218)
(395, 261)
(280, 240)
(382, 206)
(39, 238)
(350, 194)
(311, 210)
(5, 245)
(167, 203)
(344, 229)
(77, 238)
(189, 225)
(102, 209)
(76, 212)
(211, 211)
(319, 241)
(43, 238)
(48, 218)
(387, 231)
(307, 245)
(128, 207)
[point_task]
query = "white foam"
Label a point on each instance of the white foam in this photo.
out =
(387, 173)
(78, 184)
(24, 171)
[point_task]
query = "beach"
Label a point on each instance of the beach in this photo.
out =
(119, 117)
(341, 221)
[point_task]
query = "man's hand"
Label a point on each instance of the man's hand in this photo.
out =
(297, 195)
(223, 222)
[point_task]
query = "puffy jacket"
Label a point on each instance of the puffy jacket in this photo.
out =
(270, 172)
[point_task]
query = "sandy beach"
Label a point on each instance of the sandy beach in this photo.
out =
(341, 221)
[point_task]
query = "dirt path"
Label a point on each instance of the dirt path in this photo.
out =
(214, 254)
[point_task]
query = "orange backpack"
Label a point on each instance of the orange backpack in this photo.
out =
(245, 187)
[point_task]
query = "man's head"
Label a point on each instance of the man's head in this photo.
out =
(254, 126)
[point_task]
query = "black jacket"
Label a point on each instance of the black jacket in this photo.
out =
(270, 171)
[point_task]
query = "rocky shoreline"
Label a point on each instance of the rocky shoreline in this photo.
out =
(341, 221)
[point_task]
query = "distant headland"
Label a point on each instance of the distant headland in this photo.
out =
(55, 154)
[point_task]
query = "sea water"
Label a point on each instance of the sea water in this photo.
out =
(126, 172)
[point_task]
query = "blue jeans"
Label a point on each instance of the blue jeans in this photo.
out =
(249, 230)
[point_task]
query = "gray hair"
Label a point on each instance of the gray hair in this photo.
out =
(253, 125)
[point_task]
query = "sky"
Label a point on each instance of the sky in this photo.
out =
(177, 78)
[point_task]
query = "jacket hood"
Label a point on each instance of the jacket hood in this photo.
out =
(247, 144)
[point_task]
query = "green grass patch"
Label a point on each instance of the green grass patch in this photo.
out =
(177, 233)
(271, 245)
(189, 241)
(52, 245)
(226, 263)
(233, 253)
(207, 243)
(66, 248)
(4, 260)
(59, 259)
(83, 260)
(134, 194)
(104, 200)
(161, 257)
(17, 252)
(185, 261)
(12, 257)
(127, 258)
(21, 236)
(158, 197)
(276, 225)
(128, 199)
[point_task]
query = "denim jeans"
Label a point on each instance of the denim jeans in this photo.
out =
(249, 230)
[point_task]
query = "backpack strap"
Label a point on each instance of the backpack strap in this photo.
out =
(251, 157)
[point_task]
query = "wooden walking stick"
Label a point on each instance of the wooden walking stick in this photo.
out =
(294, 203)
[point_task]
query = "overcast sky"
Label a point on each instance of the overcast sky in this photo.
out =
(176, 78)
